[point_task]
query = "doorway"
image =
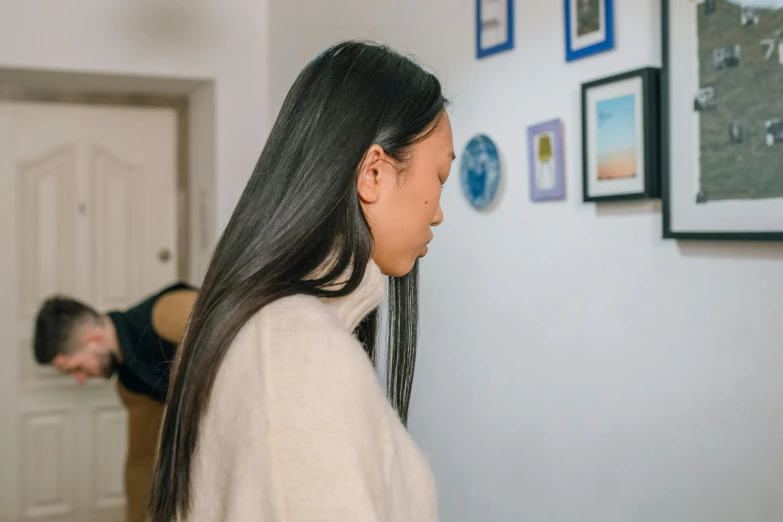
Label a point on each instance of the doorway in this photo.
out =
(94, 204)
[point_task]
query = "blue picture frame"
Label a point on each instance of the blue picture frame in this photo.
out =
(505, 46)
(599, 40)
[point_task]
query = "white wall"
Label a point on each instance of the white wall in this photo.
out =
(222, 42)
(300, 29)
(573, 366)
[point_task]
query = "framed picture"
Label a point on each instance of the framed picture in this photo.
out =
(547, 171)
(494, 27)
(620, 136)
(589, 27)
(722, 119)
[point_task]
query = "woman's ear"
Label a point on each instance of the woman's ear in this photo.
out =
(372, 172)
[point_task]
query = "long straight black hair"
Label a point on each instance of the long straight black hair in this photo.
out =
(300, 212)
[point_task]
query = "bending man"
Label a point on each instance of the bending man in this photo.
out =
(138, 345)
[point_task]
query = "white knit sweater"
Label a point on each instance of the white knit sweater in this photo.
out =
(298, 428)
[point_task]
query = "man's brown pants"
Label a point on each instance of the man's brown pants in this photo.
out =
(144, 419)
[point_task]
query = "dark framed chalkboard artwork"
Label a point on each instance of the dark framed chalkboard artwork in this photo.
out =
(722, 119)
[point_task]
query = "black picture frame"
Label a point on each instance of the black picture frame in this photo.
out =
(666, 90)
(650, 91)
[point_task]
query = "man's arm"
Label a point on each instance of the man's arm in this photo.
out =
(171, 312)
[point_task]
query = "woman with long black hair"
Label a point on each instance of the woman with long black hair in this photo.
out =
(274, 411)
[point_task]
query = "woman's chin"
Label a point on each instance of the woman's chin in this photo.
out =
(401, 268)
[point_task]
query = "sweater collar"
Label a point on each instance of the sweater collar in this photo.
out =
(354, 307)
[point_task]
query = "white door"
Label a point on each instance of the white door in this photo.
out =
(87, 204)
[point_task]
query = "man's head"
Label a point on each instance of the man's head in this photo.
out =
(75, 339)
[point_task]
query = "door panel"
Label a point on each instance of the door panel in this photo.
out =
(110, 432)
(47, 468)
(46, 236)
(116, 231)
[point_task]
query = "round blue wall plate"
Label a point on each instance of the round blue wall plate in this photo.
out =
(480, 172)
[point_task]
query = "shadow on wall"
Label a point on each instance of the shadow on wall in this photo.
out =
(167, 27)
(744, 250)
(628, 208)
(689, 248)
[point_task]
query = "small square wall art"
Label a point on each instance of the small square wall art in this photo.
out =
(547, 170)
(589, 27)
(494, 27)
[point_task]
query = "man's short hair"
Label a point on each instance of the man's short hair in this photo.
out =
(56, 321)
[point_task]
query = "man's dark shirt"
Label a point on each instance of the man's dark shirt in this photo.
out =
(146, 355)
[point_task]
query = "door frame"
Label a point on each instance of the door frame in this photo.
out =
(192, 100)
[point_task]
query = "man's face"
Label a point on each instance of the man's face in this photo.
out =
(92, 359)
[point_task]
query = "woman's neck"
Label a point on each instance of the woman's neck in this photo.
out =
(368, 296)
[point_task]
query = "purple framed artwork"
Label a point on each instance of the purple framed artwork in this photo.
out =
(547, 171)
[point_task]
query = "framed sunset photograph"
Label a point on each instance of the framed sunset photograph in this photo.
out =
(620, 126)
